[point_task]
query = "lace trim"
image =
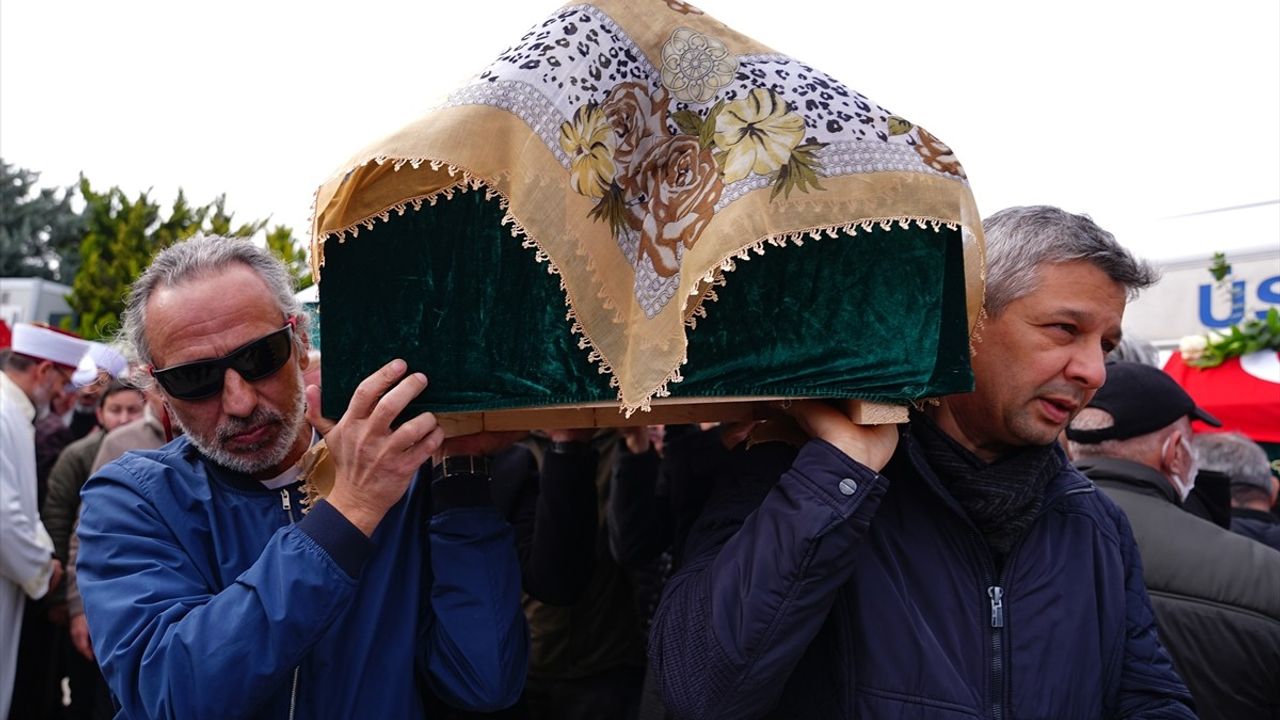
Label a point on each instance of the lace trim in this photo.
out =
(704, 290)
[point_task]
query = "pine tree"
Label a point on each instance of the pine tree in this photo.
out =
(120, 239)
(280, 241)
(39, 230)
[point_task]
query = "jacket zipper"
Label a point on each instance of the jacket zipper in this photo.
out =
(996, 593)
(287, 505)
(996, 590)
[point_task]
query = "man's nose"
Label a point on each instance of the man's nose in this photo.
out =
(1088, 367)
(239, 397)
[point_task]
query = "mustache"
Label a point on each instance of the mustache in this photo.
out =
(236, 425)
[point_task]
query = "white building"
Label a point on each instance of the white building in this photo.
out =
(1187, 302)
(33, 300)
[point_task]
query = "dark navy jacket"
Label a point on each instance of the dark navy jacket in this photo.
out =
(835, 592)
(211, 596)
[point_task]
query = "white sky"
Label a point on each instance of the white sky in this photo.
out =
(1134, 112)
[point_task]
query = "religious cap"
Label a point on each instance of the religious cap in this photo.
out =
(100, 357)
(45, 343)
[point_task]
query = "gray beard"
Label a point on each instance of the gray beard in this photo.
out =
(269, 456)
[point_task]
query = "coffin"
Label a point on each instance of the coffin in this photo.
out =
(637, 214)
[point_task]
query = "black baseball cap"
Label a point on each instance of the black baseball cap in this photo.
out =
(1142, 399)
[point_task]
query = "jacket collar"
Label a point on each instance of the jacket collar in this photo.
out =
(1137, 476)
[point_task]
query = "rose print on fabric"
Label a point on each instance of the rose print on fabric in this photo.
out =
(636, 119)
(657, 188)
(677, 188)
(935, 153)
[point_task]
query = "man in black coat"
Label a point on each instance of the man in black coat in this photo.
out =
(1216, 594)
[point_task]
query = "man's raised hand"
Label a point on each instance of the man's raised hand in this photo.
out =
(373, 462)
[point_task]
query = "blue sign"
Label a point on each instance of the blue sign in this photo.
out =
(1268, 293)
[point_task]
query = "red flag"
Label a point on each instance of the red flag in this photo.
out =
(1243, 392)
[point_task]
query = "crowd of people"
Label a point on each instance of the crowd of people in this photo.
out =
(1056, 543)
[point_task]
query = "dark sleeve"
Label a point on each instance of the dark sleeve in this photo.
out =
(62, 501)
(638, 520)
(1149, 685)
(51, 440)
(765, 564)
(474, 644)
(555, 524)
(686, 476)
(82, 423)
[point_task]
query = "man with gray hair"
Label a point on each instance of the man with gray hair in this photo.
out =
(956, 566)
(1216, 594)
(1253, 488)
(208, 589)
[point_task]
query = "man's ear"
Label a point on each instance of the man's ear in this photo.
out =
(304, 349)
(1169, 452)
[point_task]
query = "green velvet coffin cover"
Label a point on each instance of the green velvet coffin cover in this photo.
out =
(878, 315)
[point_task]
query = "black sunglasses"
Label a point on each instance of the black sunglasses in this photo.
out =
(254, 361)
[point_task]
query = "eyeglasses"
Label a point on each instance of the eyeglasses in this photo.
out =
(67, 384)
(203, 378)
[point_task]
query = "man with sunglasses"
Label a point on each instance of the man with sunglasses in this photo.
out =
(211, 594)
(38, 366)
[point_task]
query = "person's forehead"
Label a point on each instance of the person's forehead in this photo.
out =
(130, 396)
(235, 281)
(210, 315)
(1078, 287)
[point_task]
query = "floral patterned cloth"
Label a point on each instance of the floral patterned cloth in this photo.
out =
(639, 148)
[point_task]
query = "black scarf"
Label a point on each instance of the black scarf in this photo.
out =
(1001, 498)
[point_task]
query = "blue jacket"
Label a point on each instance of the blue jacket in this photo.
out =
(205, 590)
(836, 592)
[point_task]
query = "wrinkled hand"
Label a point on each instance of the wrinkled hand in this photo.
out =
(80, 636)
(55, 579)
(373, 463)
(871, 445)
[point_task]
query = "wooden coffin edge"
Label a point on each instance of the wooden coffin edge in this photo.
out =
(665, 411)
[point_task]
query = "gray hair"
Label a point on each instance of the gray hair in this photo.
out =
(1133, 349)
(1237, 457)
(1021, 239)
(197, 257)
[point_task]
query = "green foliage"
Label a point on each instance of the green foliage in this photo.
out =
(121, 236)
(612, 208)
(1249, 336)
(1220, 268)
(102, 249)
(280, 241)
(39, 230)
(799, 173)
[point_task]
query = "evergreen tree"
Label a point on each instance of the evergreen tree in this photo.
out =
(280, 241)
(39, 230)
(120, 239)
